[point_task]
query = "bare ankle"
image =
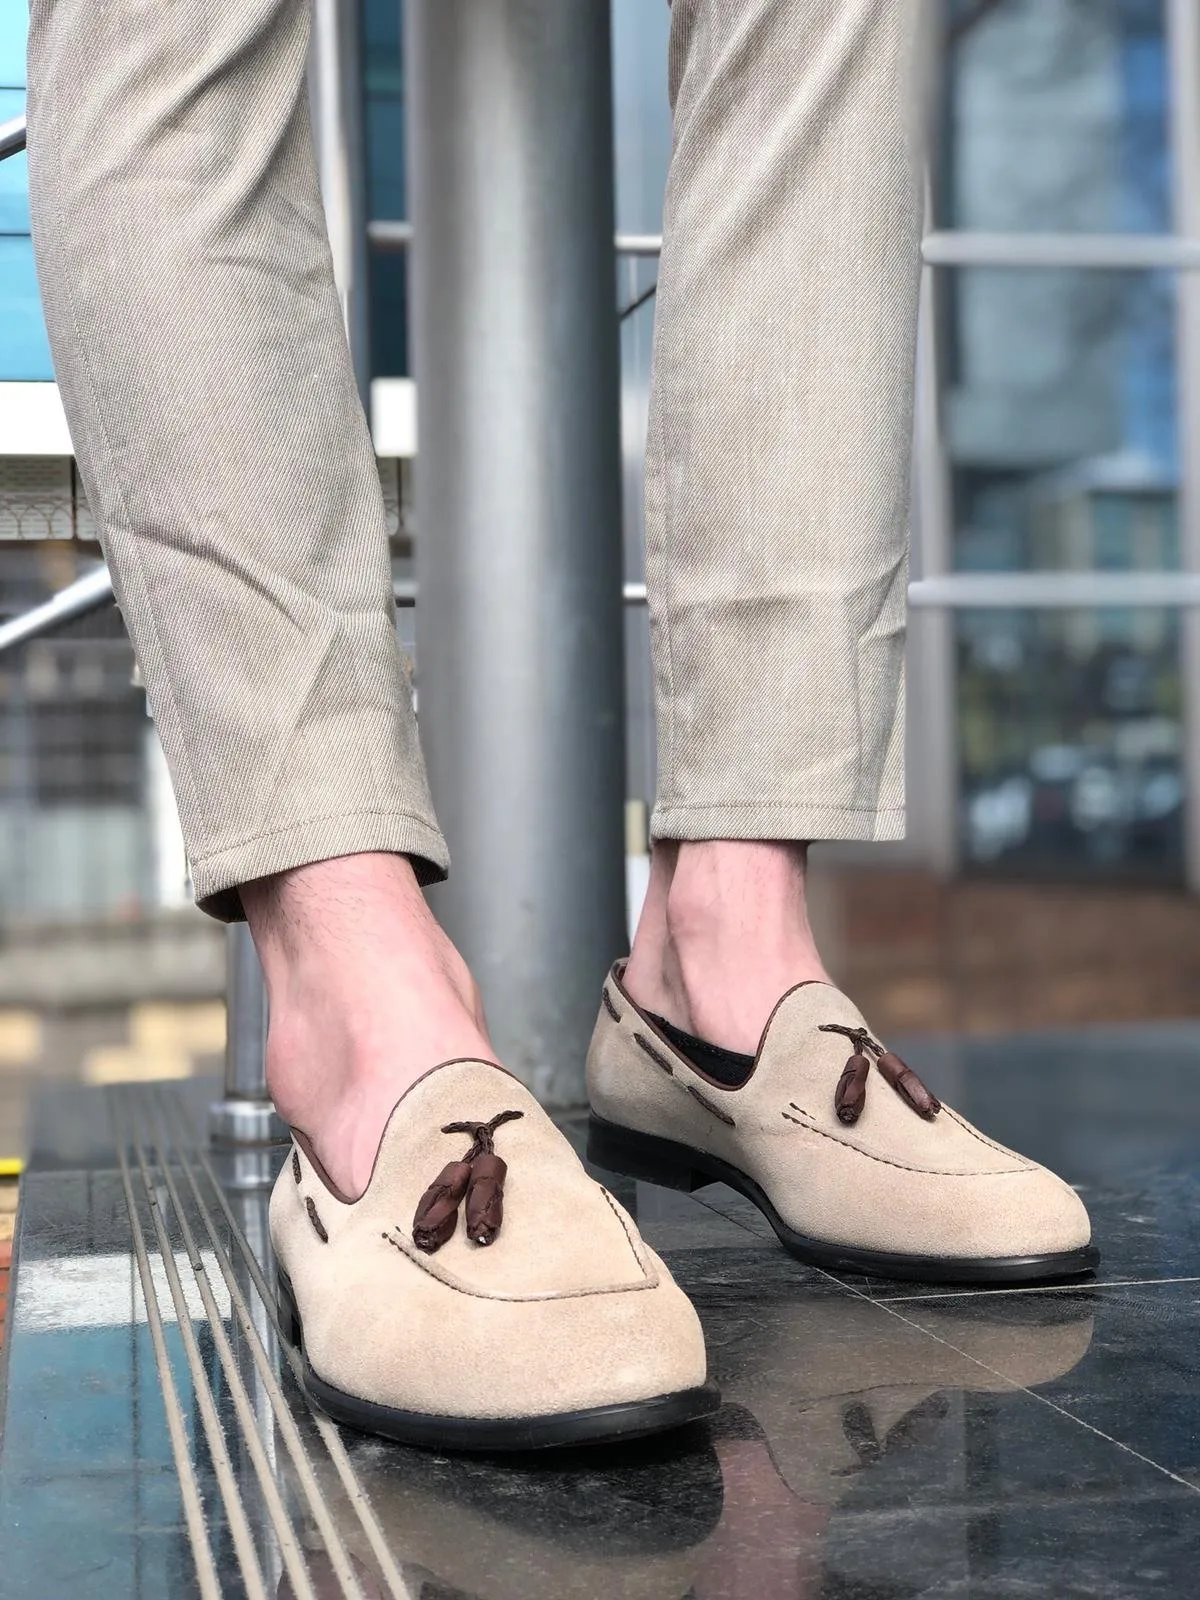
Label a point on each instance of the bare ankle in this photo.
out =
(366, 994)
(726, 935)
(719, 882)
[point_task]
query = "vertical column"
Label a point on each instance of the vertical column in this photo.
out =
(245, 1115)
(519, 643)
(335, 87)
(931, 726)
(932, 713)
(1183, 41)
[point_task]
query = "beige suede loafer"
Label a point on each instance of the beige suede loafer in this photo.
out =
(851, 1159)
(484, 1293)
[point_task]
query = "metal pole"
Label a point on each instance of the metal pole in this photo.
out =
(518, 550)
(932, 762)
(12, 137)
(1183, 38)
(245, 1115)
(335, 103)
(78, 599)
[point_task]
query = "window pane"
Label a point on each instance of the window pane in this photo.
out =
(1055, 117)
(14, 172)
(383, 111)
(24, 348)
(1070, 739)
(1060, 432)
(1059, 401)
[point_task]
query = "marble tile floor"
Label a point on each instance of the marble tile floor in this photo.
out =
(878, 1441)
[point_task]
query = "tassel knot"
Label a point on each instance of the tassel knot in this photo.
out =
(850, 1096)
(478, 1177)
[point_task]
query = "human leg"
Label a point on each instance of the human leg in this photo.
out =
(199, 350)
(197, 340)
(776, 540)
(777, 483)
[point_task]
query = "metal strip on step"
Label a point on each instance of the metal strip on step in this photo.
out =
(235, 1510)
(335, 1548)
(355, 1492)
(289, 1543)
(189, 1488)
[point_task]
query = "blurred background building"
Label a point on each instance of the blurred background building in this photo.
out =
(1054, 847)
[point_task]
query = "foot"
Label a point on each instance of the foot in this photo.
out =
(484, 1293)
(723, 934)
(366, 995)
(852, 1160)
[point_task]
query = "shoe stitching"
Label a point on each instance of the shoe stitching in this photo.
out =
(991, 1143)
(608, 1005)
(902, 1166)
(702, 1099)
(722, 1116)
(633, 1239)
(296, 1165)
(656, 1056)
(318, 1225)
(650, 1281)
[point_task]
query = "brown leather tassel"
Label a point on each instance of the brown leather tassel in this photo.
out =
(485, 1198)
(908, 1086)
(851, 1093)
(437, 1210)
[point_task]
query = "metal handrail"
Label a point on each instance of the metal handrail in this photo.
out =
(95, 589)
(1125, 252)
(12, 137)
(1044, 591)
(942, 248)
(85, 595)
(951, 591)
(952, 248)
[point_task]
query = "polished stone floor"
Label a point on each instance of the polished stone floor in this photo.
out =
(878, 1441)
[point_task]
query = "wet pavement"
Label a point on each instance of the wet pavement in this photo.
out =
(878, 1441)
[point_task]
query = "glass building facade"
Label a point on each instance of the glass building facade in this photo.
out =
(1046, 740)
(1059, 425)
(24, 352)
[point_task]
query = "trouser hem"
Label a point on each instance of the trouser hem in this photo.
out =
(217, 877)
(765, 820)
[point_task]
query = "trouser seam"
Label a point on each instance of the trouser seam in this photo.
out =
(298, 824)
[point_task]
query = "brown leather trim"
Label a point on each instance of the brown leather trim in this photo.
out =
(656, 1056)
(319, 1172)
(715, 1111)
(305, 1143)
(296, 1165)
(618, 972)
(608, 1005)
(319, 1226)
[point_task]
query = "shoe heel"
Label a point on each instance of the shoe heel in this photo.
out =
(289, 1317)
(642, 1155)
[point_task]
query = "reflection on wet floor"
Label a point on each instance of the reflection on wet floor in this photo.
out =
(877, 1441)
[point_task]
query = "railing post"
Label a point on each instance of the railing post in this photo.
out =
(518, 489)
(245, 1115)
(335, 81)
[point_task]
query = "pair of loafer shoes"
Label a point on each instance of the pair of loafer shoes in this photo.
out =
(485, 1293)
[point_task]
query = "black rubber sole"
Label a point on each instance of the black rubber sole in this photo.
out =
(678, 1166)
(597, 1425)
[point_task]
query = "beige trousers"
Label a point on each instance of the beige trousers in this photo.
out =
(198, 346)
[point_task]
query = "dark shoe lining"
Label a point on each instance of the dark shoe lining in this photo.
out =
(726, 1066)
